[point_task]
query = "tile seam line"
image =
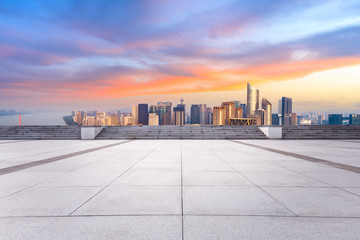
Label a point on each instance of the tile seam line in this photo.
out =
(307, 187)
(304, 157)
(50, 179)
(20, 167)
(182, 192)
(260, 188)
(315, 179)
(102, 189)
(186, 215)
(58, 150)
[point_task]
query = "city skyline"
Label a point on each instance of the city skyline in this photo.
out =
(111, 55)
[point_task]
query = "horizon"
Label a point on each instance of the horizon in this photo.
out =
(71, 55)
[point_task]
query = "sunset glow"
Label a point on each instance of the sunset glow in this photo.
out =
(59, 54)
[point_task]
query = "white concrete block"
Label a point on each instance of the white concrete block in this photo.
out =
(90, 133)
(272, 132)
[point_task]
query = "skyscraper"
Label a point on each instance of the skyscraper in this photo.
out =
(239, 112)
(252, 99)
(143, 117)
(135, 113)
(161, 109)
(219, 116)
(164, 112)
(259, 116)
(195, 114)
(152, 109)
(321, 119)
(229, 111)
(203, 114)
(179, 116)
(209, 116)
(237, 103)
(167, 116)
(179, 113)
(266, 105)
(335, 119)
(153, 119)
(354, 119)
(285, 110)
(243, 106)
(275, 119)
(129, 120)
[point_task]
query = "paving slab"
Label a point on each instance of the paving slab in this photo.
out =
(282, 178)
(5, 191)
(215, 179)
(134, 200)
(264, 228)
(104, 227)
(338, 178)
(181, 189)
(326, 202)
(26, 179)
(353, 190)
(231, 201)
(207, 166)
(45, 201)
(149, 177)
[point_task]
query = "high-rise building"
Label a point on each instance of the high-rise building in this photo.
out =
(335, 119)
(153, 119)
(354, 119)
(143, 117)
(266, 105)
(179, 116)
(161, 110)
(243, 106)
(285, 110)
(152, 109)
(113, 120)
(78, 117)
(187, 118)
(252, 99)
(166, 118)
(195, 114)
(89, 120)
(121, 119)
(135, 113)
(275, 119)
(209, 116)
(321, 119)
(219, 115)
(304, 121)
(129, 120)
(294, 119)
(100, 118)
(237, 103)
(203, 114)
(259, 116)
(239, 112)
(229, 111)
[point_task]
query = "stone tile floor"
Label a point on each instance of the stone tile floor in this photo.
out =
(180, 189)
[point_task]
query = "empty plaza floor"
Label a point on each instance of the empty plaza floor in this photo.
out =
(180, 189)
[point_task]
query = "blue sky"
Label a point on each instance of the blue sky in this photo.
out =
(58, 54)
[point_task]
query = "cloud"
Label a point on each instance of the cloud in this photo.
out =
(70, 49)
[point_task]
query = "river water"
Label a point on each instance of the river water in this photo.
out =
(42, 118)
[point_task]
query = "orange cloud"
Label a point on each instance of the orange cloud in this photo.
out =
(204, 79)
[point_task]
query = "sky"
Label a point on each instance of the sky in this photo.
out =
(95, 54)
